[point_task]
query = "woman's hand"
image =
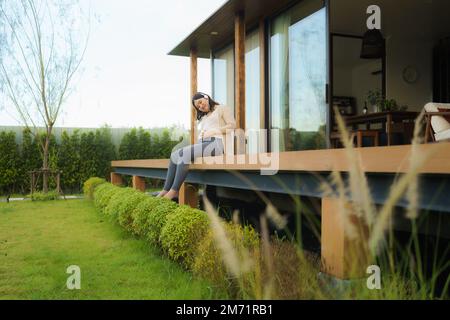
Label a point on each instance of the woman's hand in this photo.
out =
(204, 134)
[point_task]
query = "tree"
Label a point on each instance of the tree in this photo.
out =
(129, 146)
(69, 160)
(44, 45)
(30, 158)
(105, 151)
(9, 166)
(144, 145)
(87, 156)
(155, 143)
(166, 144)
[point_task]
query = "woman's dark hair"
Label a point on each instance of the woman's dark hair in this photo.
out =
(212, 104)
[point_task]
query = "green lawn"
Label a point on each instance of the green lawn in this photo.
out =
(38, 241)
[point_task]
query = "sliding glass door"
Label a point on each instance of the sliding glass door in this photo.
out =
(253, 93)
(224, 86)
(298, 77)
(223, 77)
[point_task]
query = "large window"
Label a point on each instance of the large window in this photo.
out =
(224, 86)
(298, 77)
(255, 141)
(223, 77)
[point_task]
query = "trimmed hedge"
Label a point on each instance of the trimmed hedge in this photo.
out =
(103, 194)
(140, 216)
(127, 207)
(209, 263)
(90, 185)
(183, 231)
(115, 202)
(158, 218)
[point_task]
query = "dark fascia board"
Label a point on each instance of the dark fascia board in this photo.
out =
(222, 22)
(433, 188)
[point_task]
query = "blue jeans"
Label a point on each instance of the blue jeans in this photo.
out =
(181, 158)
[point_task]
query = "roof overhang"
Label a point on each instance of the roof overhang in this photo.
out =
(218, 30)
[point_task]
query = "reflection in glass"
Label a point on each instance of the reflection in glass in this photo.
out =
(298, 77)
(353, 77)
(223, 77)
(252, 93)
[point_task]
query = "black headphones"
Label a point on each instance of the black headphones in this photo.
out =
(199, 95)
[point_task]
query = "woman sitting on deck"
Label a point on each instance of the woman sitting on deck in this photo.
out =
(213, 120)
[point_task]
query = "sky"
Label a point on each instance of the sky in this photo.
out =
(128, 80)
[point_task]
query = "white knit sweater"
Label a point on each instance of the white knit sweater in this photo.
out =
(216, 123)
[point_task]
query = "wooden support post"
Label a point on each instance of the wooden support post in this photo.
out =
(343, 257)
(116, 179)
(239, 38)
(188, 195)
(194, 89)
(139, 183)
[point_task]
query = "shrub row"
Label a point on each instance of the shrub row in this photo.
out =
(176, 229)
(41, 196)
(183, 233)
(90, 185)
(79, 155)
(188, 237)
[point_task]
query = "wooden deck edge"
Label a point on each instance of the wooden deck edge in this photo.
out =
(394, 159)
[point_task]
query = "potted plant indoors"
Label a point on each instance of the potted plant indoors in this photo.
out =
(392, 105)
(374, 100)
(379, 103)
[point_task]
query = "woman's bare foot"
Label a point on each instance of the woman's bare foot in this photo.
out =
(162, 193)
(171, 194)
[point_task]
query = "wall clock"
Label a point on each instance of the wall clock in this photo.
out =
(410, 74)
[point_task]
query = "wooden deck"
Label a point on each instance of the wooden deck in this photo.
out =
(302, 173)
(395, 159)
